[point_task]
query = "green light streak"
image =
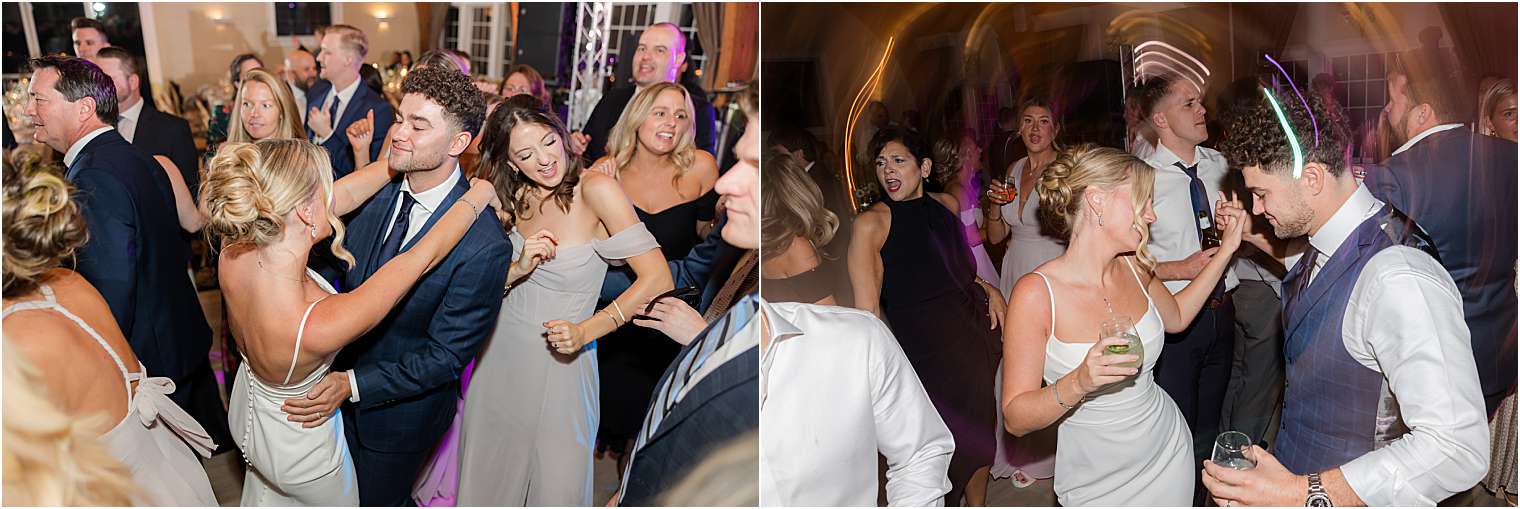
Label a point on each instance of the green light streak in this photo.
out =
(1298, 152)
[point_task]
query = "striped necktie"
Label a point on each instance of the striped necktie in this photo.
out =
(687, 364)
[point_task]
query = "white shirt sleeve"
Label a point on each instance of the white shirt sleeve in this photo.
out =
(909, 431)
(1405, 321)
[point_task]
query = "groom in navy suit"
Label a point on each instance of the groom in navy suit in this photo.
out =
(401, 380)
(135, 256)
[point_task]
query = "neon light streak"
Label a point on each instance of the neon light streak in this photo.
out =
(1298, 152)
(857, 106)
(1174, 48)
(1149, 63)
(1313, 121)
(1169, 57)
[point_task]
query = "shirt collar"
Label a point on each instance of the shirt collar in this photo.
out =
(1346, 219)
(431, 199)
(1422, 135)
(347, 94)
(1164, 158)
(78, 146)
(133, 112)
(781, 329)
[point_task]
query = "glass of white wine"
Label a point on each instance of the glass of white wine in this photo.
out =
(1232, 449)
(1120, 326)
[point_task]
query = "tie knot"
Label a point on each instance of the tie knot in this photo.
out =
(1191, 171)
(407, 201)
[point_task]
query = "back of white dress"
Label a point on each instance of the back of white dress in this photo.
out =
(289, 465)
(1126, 444)
(151, 440)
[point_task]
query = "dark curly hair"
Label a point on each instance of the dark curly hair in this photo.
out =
(1255, 137)
(43, 226)
(79, 78)
(462, 103)
(907, 136)
(496, 155)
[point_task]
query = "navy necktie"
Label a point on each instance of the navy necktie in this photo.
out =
(332, 111)
(1200, 198)
(398, 229)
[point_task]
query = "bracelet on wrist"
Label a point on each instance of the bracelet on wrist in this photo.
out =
(1056, 390)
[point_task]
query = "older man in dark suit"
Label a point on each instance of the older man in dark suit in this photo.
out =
(1460, 187)
(135, 256)
(661, 51)
(402, 378)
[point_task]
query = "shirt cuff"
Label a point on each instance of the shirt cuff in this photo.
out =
(353, 387)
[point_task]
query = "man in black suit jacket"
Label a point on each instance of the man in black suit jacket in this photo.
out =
(1460, 187)
(342, 99)
(134, 257)
(661, 51)
(710, 394)
(402, 377)
(153, 132)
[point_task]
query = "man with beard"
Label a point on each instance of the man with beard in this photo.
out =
(1460, 187)
(661, 52)
(402, 378)
(300, 75)
(1382, 404)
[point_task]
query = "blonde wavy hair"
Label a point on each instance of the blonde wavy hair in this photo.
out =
(1087, 165)
(793, 206)
(1488, 101)
(289, 126)
(43, 226)
(250, 187)
(624, 142)
(52, 458)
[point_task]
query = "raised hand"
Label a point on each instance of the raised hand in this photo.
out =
(1100, 369)
(578, 143)
(564, 337)
(536, 250)
(317, 118)
(1000, 192)
(1235, 221)
(362, 132)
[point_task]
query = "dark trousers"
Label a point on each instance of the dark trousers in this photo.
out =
(198, 394)
(1253, 402)
(1195, 370)
(385, 478)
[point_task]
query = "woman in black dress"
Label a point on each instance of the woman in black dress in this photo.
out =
(652, 153)
(910, 264)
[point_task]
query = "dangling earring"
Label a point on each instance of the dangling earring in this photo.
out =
(1100, 219)
(313, 229)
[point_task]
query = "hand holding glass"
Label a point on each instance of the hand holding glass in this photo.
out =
(1233, 450)
(1122, 327)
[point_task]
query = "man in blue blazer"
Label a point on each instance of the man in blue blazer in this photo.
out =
(342, 99)
(401, 380)
(135, 256)
(1460, 187)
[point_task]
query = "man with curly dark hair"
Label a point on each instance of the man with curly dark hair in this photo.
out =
(1382, 404)
(401, 381)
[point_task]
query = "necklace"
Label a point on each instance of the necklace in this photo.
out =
(260, 262)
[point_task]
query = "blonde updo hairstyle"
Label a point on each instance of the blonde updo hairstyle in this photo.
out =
(43, 226)
(793, 206)
(1066, 180)
(251, 187)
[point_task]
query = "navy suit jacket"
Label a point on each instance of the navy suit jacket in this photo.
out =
(722, 407)
(162, 134)
(1460, 187)
(707, 266)
(362, 102)
(605, 116)
(408, 366)
(135, 256)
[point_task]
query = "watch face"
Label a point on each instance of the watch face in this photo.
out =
(1318, 500)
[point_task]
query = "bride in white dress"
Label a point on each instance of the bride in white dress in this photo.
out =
(1122, 440)
(268, 203)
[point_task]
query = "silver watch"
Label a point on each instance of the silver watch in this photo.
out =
(1317, 495)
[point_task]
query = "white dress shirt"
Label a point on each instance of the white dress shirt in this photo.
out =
(427, 204)
(835, 388)
(1423, 135)
(1174, 235)
(345, 96)
(1404, 320)
(300, 97)
(126, 121)
(73, 152)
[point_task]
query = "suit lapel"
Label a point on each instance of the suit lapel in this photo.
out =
(737, 371)
(454, 194)
(352, 111)
(374, 233)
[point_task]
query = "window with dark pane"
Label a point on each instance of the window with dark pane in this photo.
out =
(301, 18)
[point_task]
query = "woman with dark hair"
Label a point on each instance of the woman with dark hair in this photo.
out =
(527, 432)
(909, 263)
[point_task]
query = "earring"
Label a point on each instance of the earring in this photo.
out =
(313, 229)
(1100, 219)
